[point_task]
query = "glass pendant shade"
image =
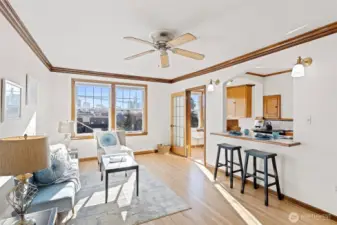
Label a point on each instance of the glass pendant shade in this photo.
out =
(298, 71)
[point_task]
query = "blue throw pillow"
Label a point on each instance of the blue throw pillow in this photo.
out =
(59, 164)
(108, 140)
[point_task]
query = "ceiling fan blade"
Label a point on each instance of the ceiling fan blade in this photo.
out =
(181, 40)
(138, 40)
(164, 60)
(188, 54)
(140, 54)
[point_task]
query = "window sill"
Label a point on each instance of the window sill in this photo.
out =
(136, 134)
(82, 137)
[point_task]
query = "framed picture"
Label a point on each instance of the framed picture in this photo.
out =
(11, 100)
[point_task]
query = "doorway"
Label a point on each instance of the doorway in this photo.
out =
(196, 124)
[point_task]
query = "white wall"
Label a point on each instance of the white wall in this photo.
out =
(17, 60)
(60, 109)
(281, 85)
(311, 166)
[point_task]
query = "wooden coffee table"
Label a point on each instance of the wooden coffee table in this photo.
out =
(108, 167)
(46, 217)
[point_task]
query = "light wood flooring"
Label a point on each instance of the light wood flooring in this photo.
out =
(214, 202)
(197, 154)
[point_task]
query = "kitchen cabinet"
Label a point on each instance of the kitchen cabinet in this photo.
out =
(272, 107)
(239, 101)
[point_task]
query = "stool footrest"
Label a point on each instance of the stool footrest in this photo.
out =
(271, 184)
(271, 175)
(235, 171)
(251, 175)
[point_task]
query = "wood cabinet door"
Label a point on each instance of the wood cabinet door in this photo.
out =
(240, 102)
(230, 103)
(272, 107)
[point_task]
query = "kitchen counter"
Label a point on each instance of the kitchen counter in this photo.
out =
(280, 142)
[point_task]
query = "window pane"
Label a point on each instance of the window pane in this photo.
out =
(129, 120)
(129, 104)
(92, 107)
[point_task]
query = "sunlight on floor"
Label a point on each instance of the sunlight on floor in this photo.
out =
(242, 211)
(124, 214)
(125, 197)
(208, 173)
(98, 197)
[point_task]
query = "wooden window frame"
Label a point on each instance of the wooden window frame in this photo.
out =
(113, 105)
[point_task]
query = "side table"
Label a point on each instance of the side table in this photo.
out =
(46, 217)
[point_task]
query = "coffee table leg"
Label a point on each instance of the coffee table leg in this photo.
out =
(106, 186)
(137, 178)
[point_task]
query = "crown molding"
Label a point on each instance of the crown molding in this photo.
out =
(13, 18)
(279, 46)
(109, 75)
(9, 13)
(269, 74)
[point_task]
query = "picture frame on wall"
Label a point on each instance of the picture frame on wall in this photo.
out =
(11, 100)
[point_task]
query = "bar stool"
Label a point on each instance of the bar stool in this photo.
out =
(265, 156)
(231, 148)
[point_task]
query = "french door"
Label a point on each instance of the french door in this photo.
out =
(178, 123)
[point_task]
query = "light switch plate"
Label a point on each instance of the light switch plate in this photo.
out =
(309, 120)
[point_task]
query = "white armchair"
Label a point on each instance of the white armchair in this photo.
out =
(111, 142)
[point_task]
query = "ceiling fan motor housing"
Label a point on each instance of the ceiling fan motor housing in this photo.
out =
(160, 38)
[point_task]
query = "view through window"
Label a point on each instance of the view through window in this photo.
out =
(130, 108)
(92, 107)
(195, 110)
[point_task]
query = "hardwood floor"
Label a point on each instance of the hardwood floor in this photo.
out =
(214, 202)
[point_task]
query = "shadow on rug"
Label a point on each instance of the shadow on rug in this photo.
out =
(155, 200)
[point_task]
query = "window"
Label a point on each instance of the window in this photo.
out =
(98, 105)
(92, 107)
(130, 108)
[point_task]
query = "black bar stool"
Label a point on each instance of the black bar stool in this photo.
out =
(265, 156)
(231, 148)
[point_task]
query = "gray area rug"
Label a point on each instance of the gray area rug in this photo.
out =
(124, 207)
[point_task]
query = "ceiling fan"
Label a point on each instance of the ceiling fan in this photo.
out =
(164, 41)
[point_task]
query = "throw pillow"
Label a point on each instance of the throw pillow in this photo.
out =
(59, 164)
(108, 140)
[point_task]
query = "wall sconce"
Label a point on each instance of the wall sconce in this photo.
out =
(298, 69)
(228, 83)
(211, 86)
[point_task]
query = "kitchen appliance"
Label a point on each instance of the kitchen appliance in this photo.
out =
(268, 125)
(258, 124)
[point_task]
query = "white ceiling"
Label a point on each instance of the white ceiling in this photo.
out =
(84, 34)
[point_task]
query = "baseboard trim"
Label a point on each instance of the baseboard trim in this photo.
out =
(197, 146)
(88, 159)
(143, 152)
(289, 199)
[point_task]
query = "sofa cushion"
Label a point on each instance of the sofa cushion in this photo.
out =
(60, 195)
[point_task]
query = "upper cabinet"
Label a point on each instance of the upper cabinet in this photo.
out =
(239, 102)
(272, 107)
